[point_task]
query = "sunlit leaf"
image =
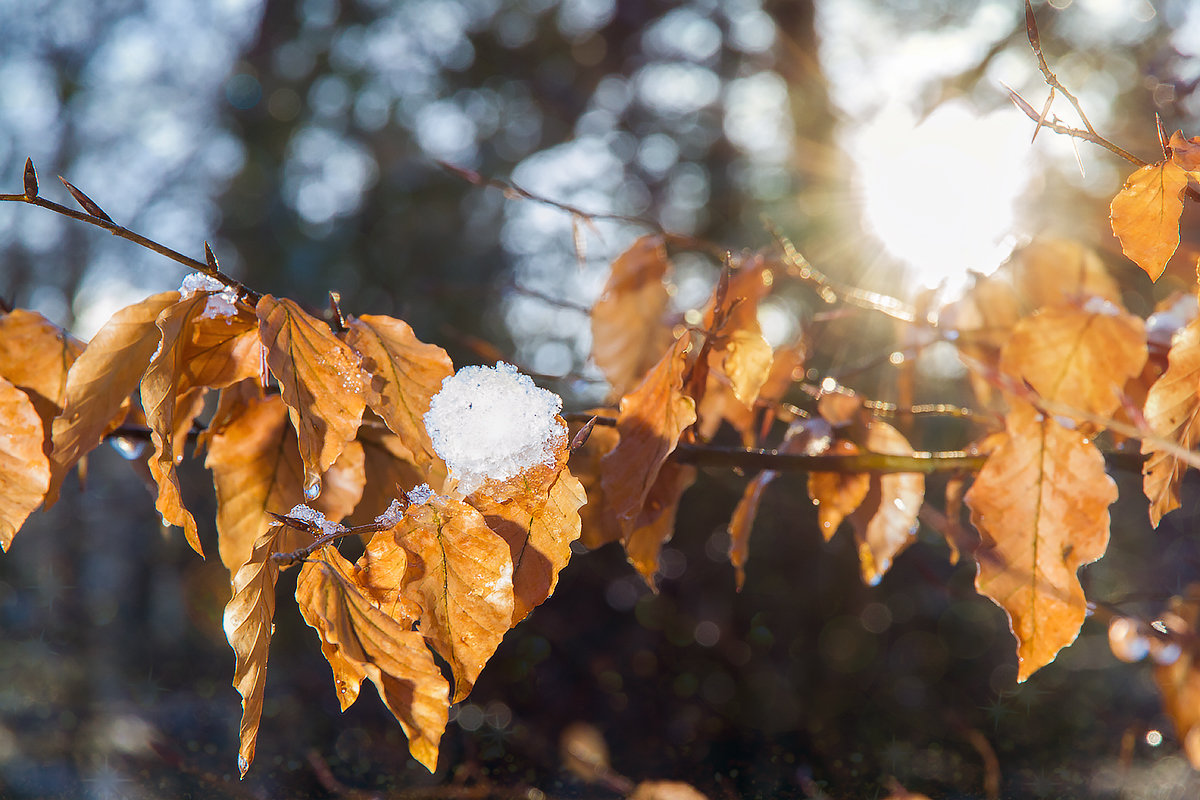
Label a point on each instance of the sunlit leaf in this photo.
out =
(101, 380)
(464, 584)
(382, 573)
(342, 484)
(598, 523)
(1077, 357)
(650, 422)
(24, 468)
(837, 494)
(35, 355)
(256, 469)
(886, 521)
(655, 523)
(539, 523)
(1057, 271)
(1040, 504)
(1145, 215)
(405, 373)
(249, 623)
(1172, 412)
(742, 523)
(361, 641)
(1179, 679)
(320, 380)
(665, 790)
(628, 332)
(197, 352)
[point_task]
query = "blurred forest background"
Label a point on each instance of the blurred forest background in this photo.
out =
(302, 139)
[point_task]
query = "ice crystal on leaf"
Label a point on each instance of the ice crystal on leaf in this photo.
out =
(312, 516)
(492, 423)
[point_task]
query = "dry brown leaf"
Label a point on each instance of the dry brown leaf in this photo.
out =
(1145, 215)
(539, 518)
(35, 355)
(628, 331)
(320, 380)
(1040, 504)
(1056, 271)
(382, 573)
(650, 422)
(463, 583)
(837, 494)
(24, 468)
(599, 525)
(342, 484)
(256, 469)
(839, 407)
(361, 641)
(405, 373)
(886, 521)
(742, 523)
(1076, 357)
(655, 522)
(196, 353)
(1172, 412)
(249, 623)
(1179, 681)
(101, 380)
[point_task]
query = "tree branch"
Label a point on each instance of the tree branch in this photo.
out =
(95, 216)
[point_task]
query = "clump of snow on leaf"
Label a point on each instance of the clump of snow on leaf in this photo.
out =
(492, 423)
(313, 517)
(221, 304)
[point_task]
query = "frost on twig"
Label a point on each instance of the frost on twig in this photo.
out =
(491, 423)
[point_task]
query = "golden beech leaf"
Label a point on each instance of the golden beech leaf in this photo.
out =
(320, 380)
(650, 421)
(197, 352)
(249, 621)
(628, 332)
(886, 521)
(360, 640)
(598, 524)
(24, 468)
(463, 583)
(539, 523)
(837, 494)
(1145, 215)
(1179, 681)
(405, 373)
(1077, 357)
(1040, 504)
(343, 484)
(256, 469)
(382, 574)
(1052, 271)
(35, 355)
(1172, 412)
(656, 521)
(742, 522)
(665, 790)
(101, 380)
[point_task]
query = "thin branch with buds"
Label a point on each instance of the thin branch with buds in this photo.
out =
(94, 215)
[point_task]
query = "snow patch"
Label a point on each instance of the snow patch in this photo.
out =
(1098, 305)
(222, 299)
(420, 494)
(314, 517)
(391, 518)
(491, 423)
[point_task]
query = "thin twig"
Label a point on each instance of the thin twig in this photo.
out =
(830, 291)
(879, 463)
(122, 232)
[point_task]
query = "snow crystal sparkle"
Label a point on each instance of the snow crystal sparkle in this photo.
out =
(492, 423)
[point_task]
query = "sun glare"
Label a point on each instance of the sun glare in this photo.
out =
(941, 194)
